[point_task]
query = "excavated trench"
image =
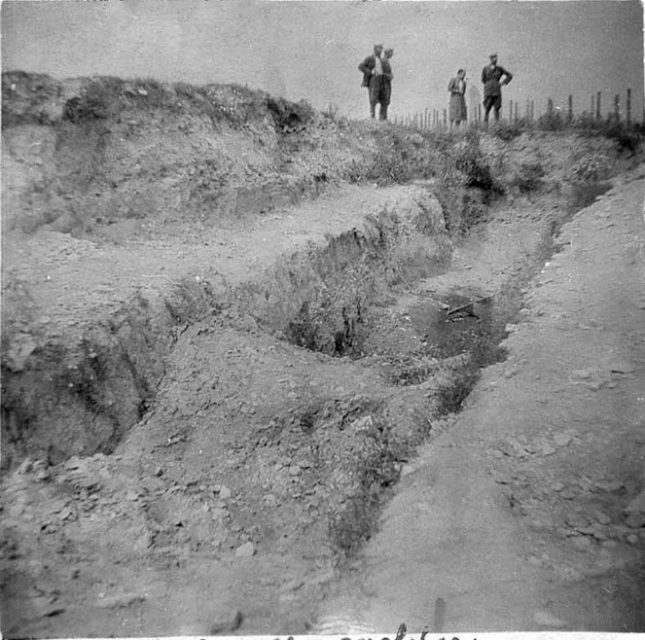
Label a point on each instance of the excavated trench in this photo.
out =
(374, 360)
(449, 339)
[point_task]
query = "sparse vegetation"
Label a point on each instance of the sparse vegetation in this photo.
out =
(472, 169)
(508, 131)
(590, 168)
(463, 208)
(321, 299)
(452, 396)
(529, 177)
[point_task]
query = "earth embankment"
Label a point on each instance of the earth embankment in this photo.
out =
(229, 321)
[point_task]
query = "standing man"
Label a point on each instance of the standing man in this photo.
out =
(491, 76)
(457, 106)
(387, 83)
(372, 70)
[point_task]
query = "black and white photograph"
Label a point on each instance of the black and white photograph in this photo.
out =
(322, 319)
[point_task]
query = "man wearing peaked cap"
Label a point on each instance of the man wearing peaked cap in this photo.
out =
(492, 74)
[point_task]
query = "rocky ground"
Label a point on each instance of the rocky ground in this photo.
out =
(203, 417)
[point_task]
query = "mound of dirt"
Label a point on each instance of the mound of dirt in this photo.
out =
(84, 155)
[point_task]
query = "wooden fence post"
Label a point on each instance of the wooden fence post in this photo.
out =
(598, 96)
(617, 107)
(593, 107)
(570, 115)
(532, 110)
(445, 118)
(510, 111)
(628, 114)
(549, 106)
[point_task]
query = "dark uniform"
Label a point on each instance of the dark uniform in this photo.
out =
(491, 76)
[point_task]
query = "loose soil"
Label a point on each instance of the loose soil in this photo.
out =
(204, 417)
(527, 512)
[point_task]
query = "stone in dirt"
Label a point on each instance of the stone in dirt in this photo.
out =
(247, 550)
(545, 619)
(581, 374)
(362, 424)
(562, 439)
(270, 500)
(547, 449)
(42, 475)
(635, 520)
(637, 505)
(120, 600)
(621, 366)
(72, 463)
(224, 492)
(602, 517)
(20, 348)
(25, 466)
(292, 585)
(598, 533)
(576, 520)
(227, 624)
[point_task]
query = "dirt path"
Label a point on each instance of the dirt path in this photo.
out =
(514, 518)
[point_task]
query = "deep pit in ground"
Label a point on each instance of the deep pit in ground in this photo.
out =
(284, 412)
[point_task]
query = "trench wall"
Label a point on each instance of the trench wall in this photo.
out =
(78, 392)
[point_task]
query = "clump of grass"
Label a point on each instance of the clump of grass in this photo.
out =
(552, 121)
(452, 396)
(332, 114)
(471, 166)
(290, 116)
(99, 100)
(529, 177)
(463, 208)
(321, 298)
(508, 131)
(29, 98)
(591, 168)
(104, 97)
(401, 154)
(628, 137)
(584, 193)
(354, 522)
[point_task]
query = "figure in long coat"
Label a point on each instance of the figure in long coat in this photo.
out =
(457, 108)
(372, 70)
(388, 76)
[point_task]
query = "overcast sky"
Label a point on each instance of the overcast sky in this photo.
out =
(311, 50)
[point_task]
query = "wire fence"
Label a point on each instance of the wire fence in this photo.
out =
(620, 110)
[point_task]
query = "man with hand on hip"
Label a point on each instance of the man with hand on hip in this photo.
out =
(492, 75)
